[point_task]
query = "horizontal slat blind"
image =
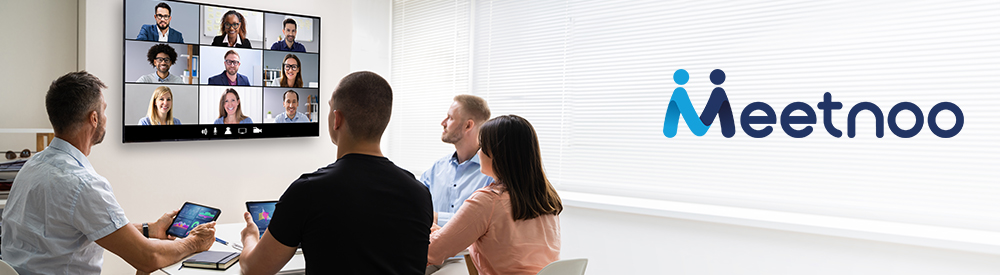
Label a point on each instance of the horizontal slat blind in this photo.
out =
(594, 77)
(430, 65)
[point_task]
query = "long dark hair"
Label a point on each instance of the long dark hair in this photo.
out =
(511, 142)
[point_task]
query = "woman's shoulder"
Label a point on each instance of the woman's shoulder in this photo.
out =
(144, 121)
(246, 121)
(176, 121)
(492, 192)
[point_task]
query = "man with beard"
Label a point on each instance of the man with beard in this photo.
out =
(455, 177)
(161, 56)
(289, 30)
(61, 214)
(230, 76)
(162, 31)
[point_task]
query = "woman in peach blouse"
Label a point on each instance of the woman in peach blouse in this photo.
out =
(512, 224)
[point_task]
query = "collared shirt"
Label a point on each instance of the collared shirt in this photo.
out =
(58, 207)
(451, 183)
(164, 36)
(225, 39)
(283, 118)
(282, 46)
(155, 78)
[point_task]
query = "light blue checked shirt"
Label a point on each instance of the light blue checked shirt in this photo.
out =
(451, 183)
(57, 208)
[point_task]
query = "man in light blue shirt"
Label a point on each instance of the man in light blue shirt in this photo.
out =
(455, 177)
(61, 214)
(291, 115)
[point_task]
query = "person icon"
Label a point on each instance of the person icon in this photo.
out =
(718, 103)
(680, 104)
(228, 132)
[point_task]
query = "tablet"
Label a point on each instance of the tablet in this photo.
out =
(191, 215)
(261, 212)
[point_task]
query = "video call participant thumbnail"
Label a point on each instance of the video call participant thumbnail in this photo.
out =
(162, 57)
(161, 31)
(291, 72)
(230, 109)
(291, 114)
(230, 76)
(289, 30)
(388, 210)
(234, 31)
(161, 108)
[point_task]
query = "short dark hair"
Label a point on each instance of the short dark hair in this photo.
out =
(284, 96)
(161, 48)
(512, 143)
(230, 52)
(289, 21)
(163, 5)
(70, 98)
(365, 100)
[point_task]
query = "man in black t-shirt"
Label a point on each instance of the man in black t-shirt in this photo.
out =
(360, 215)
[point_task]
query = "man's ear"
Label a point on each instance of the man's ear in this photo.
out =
(469, 124)
(94, 118)
(338, 120)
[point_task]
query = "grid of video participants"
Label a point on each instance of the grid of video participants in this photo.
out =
(198, 71)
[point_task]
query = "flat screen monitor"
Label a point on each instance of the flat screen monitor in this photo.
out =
(195, 71)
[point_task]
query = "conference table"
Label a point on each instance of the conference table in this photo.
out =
(231, 232)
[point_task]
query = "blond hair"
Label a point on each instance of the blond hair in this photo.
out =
(474, 107)
(154, 115)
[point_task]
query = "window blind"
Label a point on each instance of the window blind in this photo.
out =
(595, 79)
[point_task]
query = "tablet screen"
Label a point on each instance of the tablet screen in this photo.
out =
(261, 212)
(192, 215)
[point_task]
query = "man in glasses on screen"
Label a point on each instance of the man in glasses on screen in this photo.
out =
(230, 76)
(289, 30)
(161, 56)
(161, 31)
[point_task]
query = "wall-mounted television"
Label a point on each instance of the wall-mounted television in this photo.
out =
(195, 71)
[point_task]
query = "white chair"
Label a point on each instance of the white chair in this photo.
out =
(5, 269)
(565, 267)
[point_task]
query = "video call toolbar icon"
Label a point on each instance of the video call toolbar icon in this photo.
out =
(257, 130)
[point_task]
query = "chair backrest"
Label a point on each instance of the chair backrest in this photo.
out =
(565, 267)
(5, 269)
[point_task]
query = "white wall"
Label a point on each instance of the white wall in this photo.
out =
(151, 178)
(28, 67)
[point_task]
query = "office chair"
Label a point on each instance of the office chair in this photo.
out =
(565, 267)
(5, 269)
